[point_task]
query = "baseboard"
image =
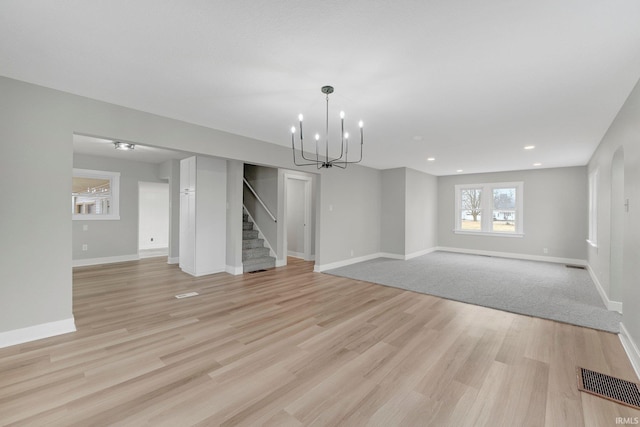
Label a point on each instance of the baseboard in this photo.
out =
(234, 270)
(215, 270)
(173, 260)
(37, 332)
(630, 348)
(295, 254)
(573, 261)
(611, 305)
(281, 262)
(104, 260)
(407, 257)
(319, 268)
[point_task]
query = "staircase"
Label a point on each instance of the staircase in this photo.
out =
(254, 255)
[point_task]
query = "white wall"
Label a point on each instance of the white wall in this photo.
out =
(153, 213)
(555, 214)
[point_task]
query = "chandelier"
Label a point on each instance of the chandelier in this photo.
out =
(343, 160)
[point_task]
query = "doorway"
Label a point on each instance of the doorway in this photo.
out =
(298, 224)
(153, 219)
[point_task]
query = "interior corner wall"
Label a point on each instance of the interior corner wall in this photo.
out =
(392, 216)
(421, 212)
(117, 238)
(623, 133)
(555, 214)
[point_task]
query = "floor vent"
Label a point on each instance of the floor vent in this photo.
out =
(580, 267)
(256, 271)
(607, 387)
(187, 295)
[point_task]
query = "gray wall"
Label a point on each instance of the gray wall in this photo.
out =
(36, 128)
(235, 171)
(119, 237)
(421, 215)
(623, 133)
(392, 213)
(170, 171)
(36, 159)
(409, 211)
(555, 213)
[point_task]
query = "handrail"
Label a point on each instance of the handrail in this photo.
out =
(259, 199)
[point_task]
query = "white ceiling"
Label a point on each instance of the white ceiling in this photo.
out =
(467, 82)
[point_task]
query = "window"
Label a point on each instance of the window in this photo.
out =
(494, 209)
(593, 209)
(95, 195)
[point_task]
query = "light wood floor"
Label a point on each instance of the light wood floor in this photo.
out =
(290, 347)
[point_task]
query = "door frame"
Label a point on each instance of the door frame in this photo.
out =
(307, 212)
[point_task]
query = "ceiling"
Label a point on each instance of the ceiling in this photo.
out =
(84, 144)
(467, 83)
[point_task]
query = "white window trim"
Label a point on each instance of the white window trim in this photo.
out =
(114, 177)
(487, 206)
(593, 208)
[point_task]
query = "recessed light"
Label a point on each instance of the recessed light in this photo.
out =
(537, 164)
(529, 147)
(459, 170)
(430, 159)
(123, 145)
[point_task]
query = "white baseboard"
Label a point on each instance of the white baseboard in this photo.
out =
(37, 332)
(221, 269)
(630, 348)
(611, 305)
(234, 270)
(318, 268)
(573, 261)
(281, 262)
(295, 254)
(408, 256)
(104, 260)
(173, 260)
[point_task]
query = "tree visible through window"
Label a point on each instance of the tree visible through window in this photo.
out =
(489, 208)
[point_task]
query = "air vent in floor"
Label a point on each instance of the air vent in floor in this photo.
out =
(608, 387)
(187, 295)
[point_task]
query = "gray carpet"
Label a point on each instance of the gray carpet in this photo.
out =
(539, 289)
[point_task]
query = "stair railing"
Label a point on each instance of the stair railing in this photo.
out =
(259, 199)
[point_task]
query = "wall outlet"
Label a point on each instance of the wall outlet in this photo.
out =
(85, 247)
(85, 227)
(545, 250)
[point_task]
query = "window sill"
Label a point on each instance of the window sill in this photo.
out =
(488, 233)
(96, 217)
